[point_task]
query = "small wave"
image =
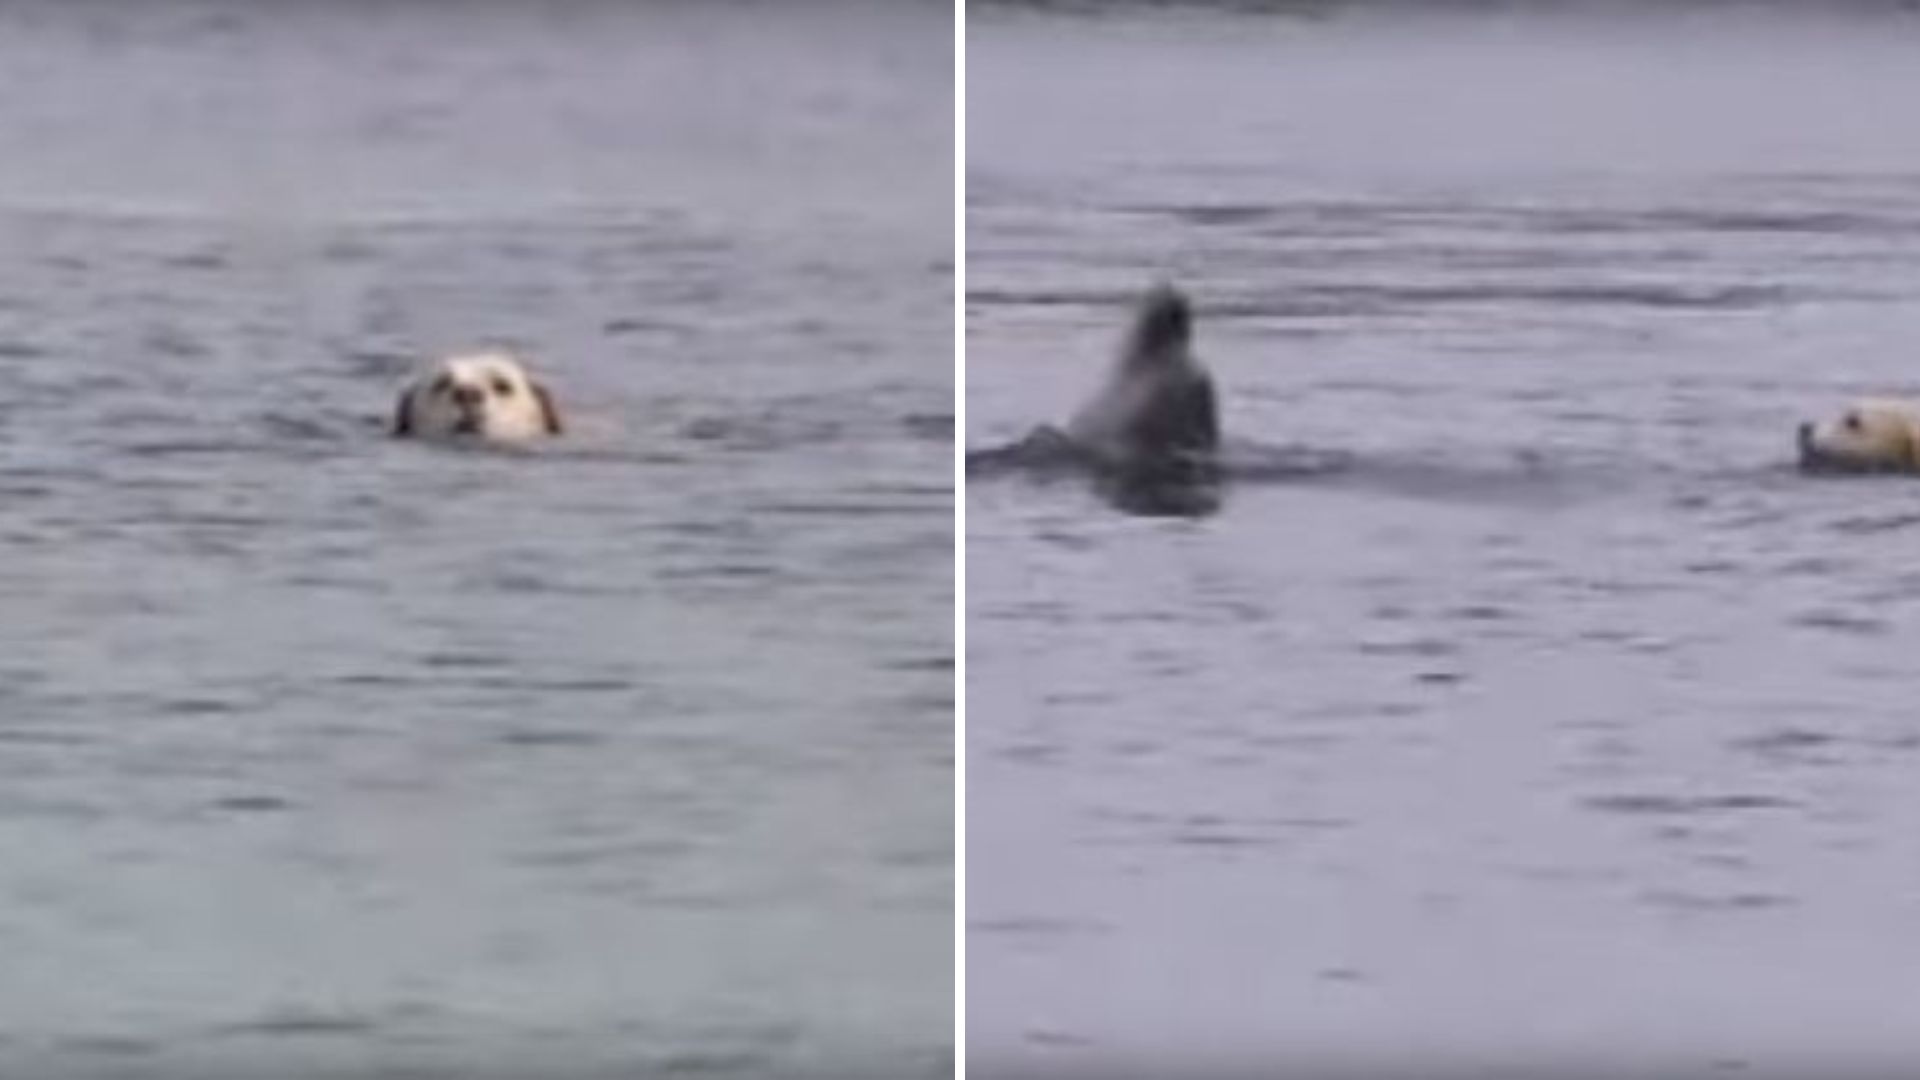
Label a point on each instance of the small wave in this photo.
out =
(304, 1023)
(16, 349)
(300, 429)
(1685, 805)
(1102, 300)
(1625, 294)
(858, 508)
(761, 431)
(1692, 219)
(1680, 900)
(1786, 743)
(1843, 623)
(1334, 217)
(202, 259)
(1878, 523)
(1252, 462)
(189, 448)
(1337, 299)
(552, 737)
(377, 363)
(1520, 478)
(936, 427)
(117, 1046)
(252, 804)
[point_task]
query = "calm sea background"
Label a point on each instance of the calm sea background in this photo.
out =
(1565, 727)
(327, 754)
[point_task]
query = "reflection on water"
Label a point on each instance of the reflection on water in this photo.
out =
(1556, 719)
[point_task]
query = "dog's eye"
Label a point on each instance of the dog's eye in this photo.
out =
(502, 387)
(441, 385)
(1851, 422)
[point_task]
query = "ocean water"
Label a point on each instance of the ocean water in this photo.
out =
(1562, 724)
(324, 753)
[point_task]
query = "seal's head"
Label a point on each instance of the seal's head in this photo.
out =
(1871, 436)
(484, 395)
(1162, 328)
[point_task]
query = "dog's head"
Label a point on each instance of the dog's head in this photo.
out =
(1871, 436)
(480, 395)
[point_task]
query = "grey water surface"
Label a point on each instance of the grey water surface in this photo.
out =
(323, 753)
(1560, 723)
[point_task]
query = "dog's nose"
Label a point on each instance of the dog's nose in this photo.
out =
(468, 395)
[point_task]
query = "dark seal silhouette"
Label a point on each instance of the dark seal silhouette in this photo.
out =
(1151, 435)
(1158, 402)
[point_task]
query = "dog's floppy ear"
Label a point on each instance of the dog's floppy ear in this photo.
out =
(547, 411)
(403, 414)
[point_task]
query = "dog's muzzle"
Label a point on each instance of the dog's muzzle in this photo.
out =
(472, 402)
